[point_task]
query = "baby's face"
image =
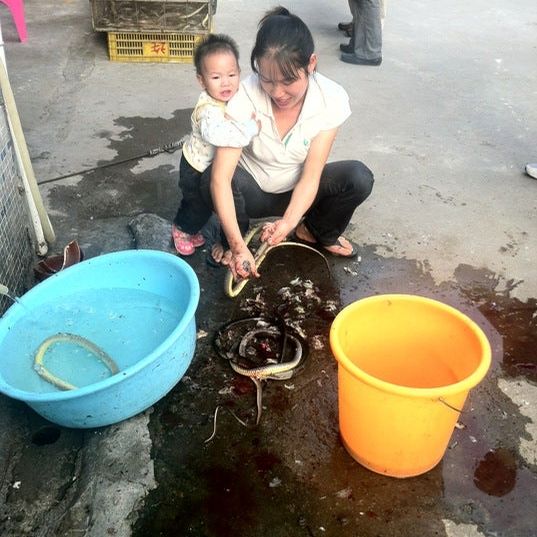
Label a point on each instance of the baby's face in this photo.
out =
(221, 75)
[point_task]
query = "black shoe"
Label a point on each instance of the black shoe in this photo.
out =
(352, 58)
(345, 26)
(348, 49)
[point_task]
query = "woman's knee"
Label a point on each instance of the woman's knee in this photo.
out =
(361, 179)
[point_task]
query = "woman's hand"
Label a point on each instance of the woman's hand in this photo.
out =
(275, 232)
(242, 264)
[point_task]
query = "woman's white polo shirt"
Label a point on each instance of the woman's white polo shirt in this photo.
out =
(275, 163)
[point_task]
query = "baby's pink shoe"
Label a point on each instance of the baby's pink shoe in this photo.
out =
(184, 243)
(197, 240)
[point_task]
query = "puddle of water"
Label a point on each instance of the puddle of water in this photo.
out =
(496, 472)
(514, 319)
(154, 190)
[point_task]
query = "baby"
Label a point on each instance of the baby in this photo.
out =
(216, 60)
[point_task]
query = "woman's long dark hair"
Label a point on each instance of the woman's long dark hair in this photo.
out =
(285, 38)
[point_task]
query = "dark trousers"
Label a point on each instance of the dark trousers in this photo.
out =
(367, 30)
(344, 185)
(190, 216)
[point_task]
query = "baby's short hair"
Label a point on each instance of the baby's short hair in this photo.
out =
(211, 44)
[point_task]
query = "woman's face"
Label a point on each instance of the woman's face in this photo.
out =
(285, 93)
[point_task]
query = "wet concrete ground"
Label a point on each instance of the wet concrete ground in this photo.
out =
(444, 134)
(291, 475)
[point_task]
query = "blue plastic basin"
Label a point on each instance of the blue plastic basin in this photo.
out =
(138, 306)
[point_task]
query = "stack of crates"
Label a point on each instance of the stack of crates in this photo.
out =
(153, 30)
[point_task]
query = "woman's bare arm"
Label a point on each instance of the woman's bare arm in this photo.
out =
(224, 164)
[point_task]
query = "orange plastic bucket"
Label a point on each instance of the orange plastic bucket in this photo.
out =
(405, 366)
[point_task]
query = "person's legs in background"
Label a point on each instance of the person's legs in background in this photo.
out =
(349, 47)
(347, 27)
(366, 41)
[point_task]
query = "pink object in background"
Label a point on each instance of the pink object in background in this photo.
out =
(17, 12)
